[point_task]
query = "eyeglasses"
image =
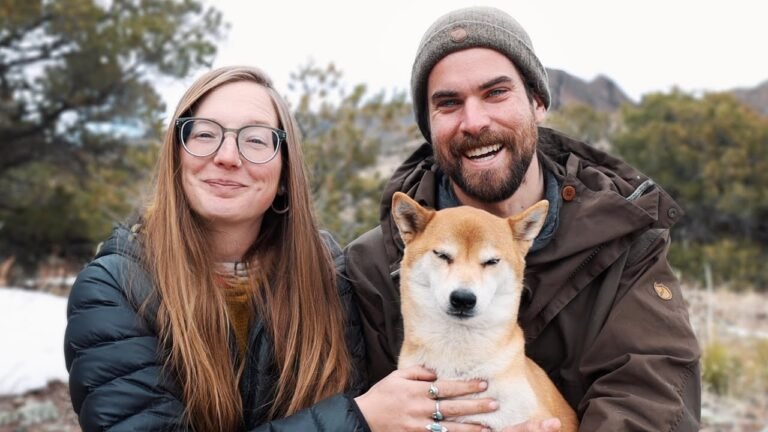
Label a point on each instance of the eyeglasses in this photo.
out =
(204, 137)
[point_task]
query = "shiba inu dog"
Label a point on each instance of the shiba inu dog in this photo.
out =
(461, 279)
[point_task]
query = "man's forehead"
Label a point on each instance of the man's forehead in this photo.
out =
(467, 71)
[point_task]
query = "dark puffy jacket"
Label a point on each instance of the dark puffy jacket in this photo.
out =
(116, 381)
(602, 310)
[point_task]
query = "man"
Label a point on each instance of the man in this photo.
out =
(602, 311)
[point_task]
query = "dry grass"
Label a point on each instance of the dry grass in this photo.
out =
(733, 332)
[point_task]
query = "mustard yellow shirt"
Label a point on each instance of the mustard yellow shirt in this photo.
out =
(237, 295)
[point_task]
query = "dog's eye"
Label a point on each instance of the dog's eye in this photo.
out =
(443, 256)
(490, 262)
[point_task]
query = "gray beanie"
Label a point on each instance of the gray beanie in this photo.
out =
(474, 27)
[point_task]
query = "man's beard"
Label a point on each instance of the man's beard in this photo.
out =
(492, 185)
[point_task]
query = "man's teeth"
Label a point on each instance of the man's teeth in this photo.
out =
(478, 152)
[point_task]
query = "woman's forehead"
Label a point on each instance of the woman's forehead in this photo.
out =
(238, 103)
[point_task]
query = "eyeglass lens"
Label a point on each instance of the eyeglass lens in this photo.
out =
(203, 137)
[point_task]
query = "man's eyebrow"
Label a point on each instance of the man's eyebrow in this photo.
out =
(496, 81)
(445, 94)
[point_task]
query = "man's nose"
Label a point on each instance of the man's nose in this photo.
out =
(475, 117)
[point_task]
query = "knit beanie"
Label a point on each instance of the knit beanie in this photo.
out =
(474, 27)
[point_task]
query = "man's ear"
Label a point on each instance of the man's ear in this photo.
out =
(410, 217)
(539, 109)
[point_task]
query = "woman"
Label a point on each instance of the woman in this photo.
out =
(219, 310)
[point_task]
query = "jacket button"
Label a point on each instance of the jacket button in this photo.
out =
(672, 212)
(568, 193)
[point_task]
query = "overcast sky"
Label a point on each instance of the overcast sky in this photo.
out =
(643, 46)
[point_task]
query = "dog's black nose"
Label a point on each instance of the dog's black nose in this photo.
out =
(463, 300)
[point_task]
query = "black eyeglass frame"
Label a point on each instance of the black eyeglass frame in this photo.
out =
(181, 121)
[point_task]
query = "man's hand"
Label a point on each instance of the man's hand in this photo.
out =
(548, 425)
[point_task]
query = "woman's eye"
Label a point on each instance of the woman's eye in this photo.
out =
(204, 135)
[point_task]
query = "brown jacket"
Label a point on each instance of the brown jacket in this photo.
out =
(596, 308)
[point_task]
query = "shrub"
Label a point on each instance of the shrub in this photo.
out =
(720, 367)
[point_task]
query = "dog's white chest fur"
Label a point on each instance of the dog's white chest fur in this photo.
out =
(514, 393)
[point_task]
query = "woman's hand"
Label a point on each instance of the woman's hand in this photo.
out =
(548, 425)
(401, 402)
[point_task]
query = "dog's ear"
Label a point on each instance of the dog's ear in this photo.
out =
(526, 225)
(410, 217)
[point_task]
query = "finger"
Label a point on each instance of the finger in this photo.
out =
(551, 425)
(464, 407)
(448, 389)
(418, 373)
(464, 427)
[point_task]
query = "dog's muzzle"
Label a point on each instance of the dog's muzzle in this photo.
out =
(463, 303)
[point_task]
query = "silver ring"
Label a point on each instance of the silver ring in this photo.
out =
(436, 427)
(433, 391)
(437, 415)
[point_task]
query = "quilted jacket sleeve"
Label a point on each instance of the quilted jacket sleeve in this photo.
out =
(336, 413)
(114, 375)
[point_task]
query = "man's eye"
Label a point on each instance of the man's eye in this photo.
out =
(448, 103)
(497, 92)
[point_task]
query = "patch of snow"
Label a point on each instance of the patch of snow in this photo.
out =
(32, 328)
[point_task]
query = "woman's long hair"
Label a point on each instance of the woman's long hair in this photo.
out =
(294, 292)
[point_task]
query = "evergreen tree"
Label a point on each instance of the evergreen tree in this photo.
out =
(345, 133)
(709, 153)
(79, 111)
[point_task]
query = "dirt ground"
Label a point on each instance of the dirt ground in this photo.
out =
(44, 410)
(733, 319)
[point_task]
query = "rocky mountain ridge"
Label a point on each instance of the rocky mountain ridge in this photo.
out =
(603, 94)
(756, 97)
